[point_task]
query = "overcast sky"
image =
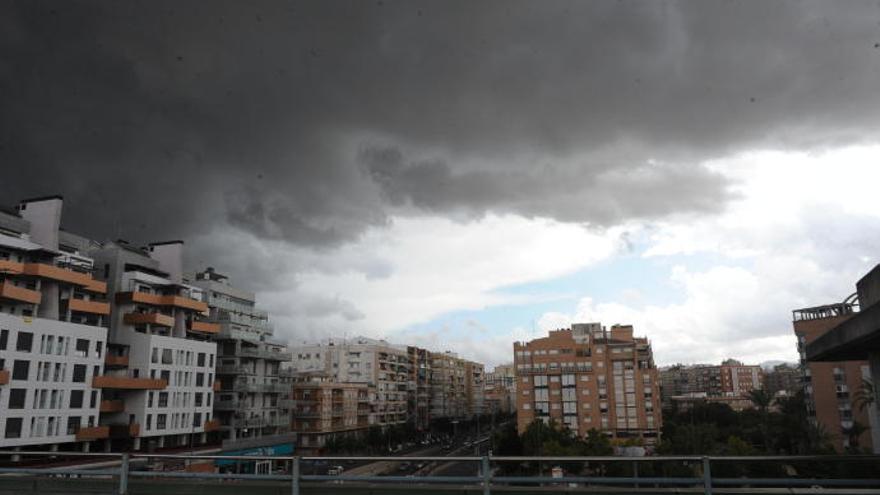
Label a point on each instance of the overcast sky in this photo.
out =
(464, 174)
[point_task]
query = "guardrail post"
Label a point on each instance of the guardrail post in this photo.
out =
(294, 476)
(123, 475)
(487, 476)
(636, 471)
(707, 476)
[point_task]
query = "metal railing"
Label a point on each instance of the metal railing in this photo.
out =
(124, 466)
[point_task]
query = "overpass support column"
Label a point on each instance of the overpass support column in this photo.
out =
(874, 410)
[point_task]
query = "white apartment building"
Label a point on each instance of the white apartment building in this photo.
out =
(81, 372)
(363, 360)
(52, 344)
(162, 381)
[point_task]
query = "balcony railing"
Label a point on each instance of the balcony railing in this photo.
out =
(111, 406)
(93, 433)
(21, 294)
(148, 318)
(93, 307)
(697, 474)
(113, 361)
(128, 383)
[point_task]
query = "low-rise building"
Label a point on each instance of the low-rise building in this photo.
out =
(385, 366)
(324, 409)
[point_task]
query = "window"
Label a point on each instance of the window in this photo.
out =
(200, 379)
(25, 342)
(16, 398)
(167, 357)
(161, 419)
(150, 399)
(200, 360)
(199, 396)
(149, 421)
(163, 399)
(540, 380)
(568, 380)
(4, 339)
(76, 399)
(197, 419)
(79, 373)
(20, 369)
(154, 356)
(541, 394)
(82, 348)
(73, 425)
(94, 399)
(13, 427)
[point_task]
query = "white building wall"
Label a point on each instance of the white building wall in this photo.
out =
(50, 372)
(182, 378)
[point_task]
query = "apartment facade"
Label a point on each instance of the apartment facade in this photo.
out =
(104, 340)
(457, 386)
(500, 390)
(731, 379)
(419, 395)
(829, 387)
(161, 383)
(324, 409)
(53, 342)
(783, 380)
(589, 377)
(252, 401)
(385, 367)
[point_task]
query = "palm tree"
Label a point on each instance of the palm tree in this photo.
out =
(761, 398)
(853, 433)
(865, 395)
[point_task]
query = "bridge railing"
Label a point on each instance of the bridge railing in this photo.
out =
(121, 467)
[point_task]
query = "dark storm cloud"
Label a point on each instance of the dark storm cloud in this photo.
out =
(310, 122)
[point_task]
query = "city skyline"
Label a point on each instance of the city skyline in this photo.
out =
(365, 173)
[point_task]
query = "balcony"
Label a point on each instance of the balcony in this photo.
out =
(111, 361)
(148, 318)
(4, 377)
(270, 388)
(9, 291)
(160, 300)
(212, 425)
(234, 369)
(93, 433)
(64, 275)
(11, 267)
(93, 307)
(262, 353)
(203, 326)
(128, 383)
(132, 430)
(112, 406)
(228, 404)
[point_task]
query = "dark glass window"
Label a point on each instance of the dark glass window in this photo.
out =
(24, 342)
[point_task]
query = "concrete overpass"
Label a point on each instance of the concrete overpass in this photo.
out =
(858, 338)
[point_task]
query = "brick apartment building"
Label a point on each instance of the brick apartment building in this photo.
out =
(589, 377)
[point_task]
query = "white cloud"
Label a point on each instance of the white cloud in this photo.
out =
(805, 229)
(432, 266)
